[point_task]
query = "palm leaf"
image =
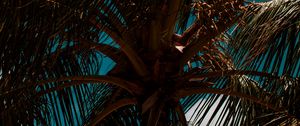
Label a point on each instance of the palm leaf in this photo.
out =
(113, 62)
(265, 41)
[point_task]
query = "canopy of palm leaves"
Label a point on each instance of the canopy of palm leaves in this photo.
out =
(148, 62)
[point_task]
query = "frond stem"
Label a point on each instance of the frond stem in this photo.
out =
(133, 57)
(129, 86)
(232, 72)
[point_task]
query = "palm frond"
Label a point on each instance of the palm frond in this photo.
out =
(270, 39)
(115, 62)
(266, 41)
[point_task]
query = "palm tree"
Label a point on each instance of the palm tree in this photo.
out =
(148, 62)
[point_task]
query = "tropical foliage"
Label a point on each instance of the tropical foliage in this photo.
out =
(148, 62)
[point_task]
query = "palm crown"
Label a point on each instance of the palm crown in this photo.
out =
(148, 62)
